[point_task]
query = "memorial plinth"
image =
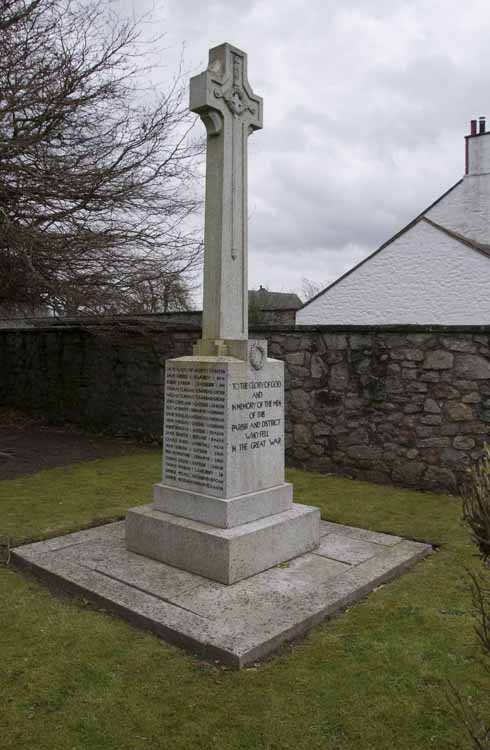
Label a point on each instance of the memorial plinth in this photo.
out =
(223, 441)
(223, 509)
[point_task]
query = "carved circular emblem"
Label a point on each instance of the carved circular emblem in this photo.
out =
(257, 356)
(236, 101)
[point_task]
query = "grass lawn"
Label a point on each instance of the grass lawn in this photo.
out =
(72, 677)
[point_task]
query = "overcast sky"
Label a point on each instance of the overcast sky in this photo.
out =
(366, 103)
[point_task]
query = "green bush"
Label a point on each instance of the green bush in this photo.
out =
(476, 505)
(476, 513)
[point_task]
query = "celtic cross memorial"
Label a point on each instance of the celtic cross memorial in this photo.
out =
(223, 509)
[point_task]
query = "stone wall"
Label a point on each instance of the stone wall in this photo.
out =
(107, 377)
(409, 406)
(400, 406)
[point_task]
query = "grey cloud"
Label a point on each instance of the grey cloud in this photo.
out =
(365, 104)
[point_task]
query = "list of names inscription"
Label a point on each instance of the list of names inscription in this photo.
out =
(194, 434)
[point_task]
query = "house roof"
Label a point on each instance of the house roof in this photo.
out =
(480, 247)
(266, 300)
(473, 244)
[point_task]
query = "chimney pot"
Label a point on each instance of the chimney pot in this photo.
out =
(473, 127)
(482, 125)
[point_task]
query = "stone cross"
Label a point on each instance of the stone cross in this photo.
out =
(223, 509)
(222, 97)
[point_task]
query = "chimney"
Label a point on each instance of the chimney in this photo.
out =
(477, 148)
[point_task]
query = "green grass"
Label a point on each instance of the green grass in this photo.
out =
(72, 677)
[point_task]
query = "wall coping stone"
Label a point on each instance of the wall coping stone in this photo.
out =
(170, 322)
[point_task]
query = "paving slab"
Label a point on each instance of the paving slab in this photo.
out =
(328, 527)
(347, 549)
(236, 624)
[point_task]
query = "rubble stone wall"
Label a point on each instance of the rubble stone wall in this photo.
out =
(408, 406)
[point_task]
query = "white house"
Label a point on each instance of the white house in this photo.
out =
(435, 271)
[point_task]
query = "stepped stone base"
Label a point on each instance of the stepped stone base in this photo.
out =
(224, 555)
(223, 512)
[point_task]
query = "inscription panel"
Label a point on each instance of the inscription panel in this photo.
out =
(194, 428)
(256, 415)
(224, 427)
(256, 428)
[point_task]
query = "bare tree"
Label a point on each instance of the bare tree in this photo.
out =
(96, 183)
(310, 289)
(169, 293)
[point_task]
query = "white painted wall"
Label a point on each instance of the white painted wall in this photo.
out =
(423, 277)
(466, 209)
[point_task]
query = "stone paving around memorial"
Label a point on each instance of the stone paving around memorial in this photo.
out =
(235, 624)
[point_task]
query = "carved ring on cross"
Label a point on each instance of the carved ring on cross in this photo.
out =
(235, 100)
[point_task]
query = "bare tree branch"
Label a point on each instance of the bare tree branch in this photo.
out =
(97, 183)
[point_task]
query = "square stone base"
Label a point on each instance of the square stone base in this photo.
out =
(236, 624)
(224, 555)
